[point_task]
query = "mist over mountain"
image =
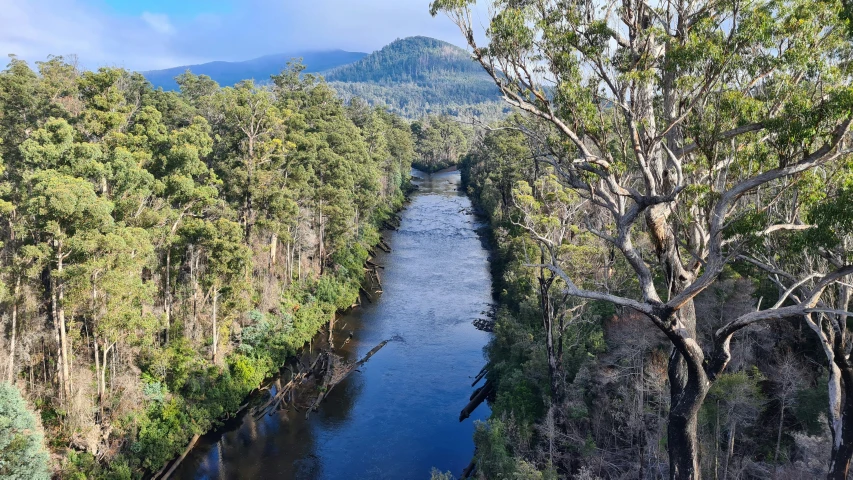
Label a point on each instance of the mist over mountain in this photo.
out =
(259, 69)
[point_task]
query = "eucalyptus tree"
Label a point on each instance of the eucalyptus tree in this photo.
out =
(401, 147)
(680, 122)
(225, 260)
(188, 187)
(341, 178)
(65, 214)
(23, 106)
(111, 290)
(254, 125)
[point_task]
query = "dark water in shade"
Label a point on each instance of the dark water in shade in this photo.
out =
(399, 416)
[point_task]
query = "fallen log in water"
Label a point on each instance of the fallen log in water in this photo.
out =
(282, 391)
(480, 375)
(484, 324)
(384, 246)
(375, 265)
(480, 396)
(355, 366)
(324, 383)
(469, 470)
(378, 280)
(347, 340)
(476, 392)
(181, 458)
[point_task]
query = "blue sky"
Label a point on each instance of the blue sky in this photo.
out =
(150, 34)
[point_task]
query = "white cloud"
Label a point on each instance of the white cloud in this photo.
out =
(34, 29)
(159, 22)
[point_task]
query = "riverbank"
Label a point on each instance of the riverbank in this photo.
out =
(318, 335)
(397, 417)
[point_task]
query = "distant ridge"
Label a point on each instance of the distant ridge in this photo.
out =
(413, 77)
(259, 69)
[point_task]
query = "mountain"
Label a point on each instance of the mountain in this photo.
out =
(413, 77)
(260, 69)
(419, 75)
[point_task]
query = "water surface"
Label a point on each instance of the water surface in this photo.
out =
(399, 416)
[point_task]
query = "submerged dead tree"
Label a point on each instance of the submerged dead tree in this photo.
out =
(684, 123)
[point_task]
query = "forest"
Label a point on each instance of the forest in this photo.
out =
(165, 252)
(668, 205)
(670, 209)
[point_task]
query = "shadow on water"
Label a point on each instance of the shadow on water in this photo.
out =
(398, 417)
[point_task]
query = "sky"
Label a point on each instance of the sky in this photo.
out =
(154, 34)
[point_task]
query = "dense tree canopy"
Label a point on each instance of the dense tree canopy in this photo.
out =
(149, 237)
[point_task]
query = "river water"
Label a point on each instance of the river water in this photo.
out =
(398, 417)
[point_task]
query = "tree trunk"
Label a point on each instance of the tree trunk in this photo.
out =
(547, 309)
(247, 208)
(842, 445)
(181, 458)
(273, 249)
(686, 400)
(10, 374)
(321, 260)
(479, 397)
(215, 326)
(167, 291)
(779, 436)
(688, 386)
(103, 378)
(717, 442)
(730, 449)
(194, 258)
(98, 377)
(683, 446)
(63, 337)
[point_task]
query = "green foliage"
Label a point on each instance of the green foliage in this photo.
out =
(810, 406)
(735, 399)
(22, 452)
(494, 455)
(160, 225)
(437, 474)
(440, 142)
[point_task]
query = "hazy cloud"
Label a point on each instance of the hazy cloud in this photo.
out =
(159, 22)
(155, 37)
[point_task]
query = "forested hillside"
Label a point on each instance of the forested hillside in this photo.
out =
(164, 252)
(417, 76)
(670, 205)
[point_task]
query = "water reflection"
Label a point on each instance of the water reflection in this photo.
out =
(398, 417)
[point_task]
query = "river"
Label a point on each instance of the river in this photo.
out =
(398, 417)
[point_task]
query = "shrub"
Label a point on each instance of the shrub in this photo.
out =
(22, 452)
